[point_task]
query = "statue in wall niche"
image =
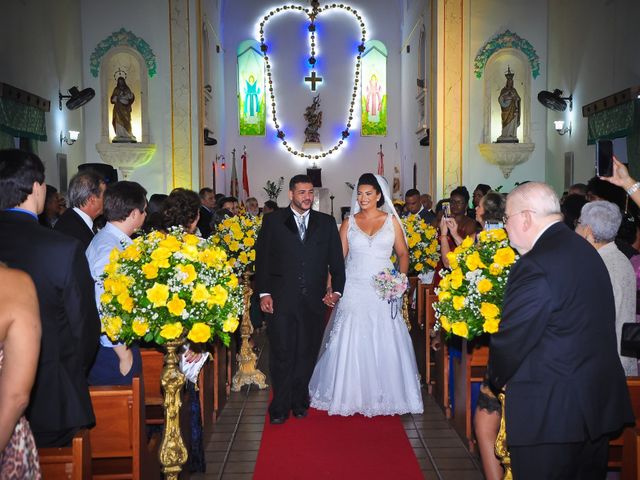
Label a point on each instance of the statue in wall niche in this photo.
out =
(313, 116)
(509, 101)
(122, 98)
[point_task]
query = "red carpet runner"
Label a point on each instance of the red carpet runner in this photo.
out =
(333, 447)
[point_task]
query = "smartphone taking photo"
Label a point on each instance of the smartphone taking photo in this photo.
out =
(604, 158)
(446, 208)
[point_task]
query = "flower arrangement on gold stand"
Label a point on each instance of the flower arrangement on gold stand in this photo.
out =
(422, 240)
(165, 288)
(470, 294)
(237, 236)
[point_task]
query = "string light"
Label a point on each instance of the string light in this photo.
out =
(312, 14)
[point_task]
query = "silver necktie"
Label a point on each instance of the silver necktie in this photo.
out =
(301, 227)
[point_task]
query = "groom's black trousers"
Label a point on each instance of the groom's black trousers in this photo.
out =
(295, 334)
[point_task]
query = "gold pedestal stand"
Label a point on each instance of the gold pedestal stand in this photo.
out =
(502, 452)
(247, 372)
(173, 453)
(405, 311)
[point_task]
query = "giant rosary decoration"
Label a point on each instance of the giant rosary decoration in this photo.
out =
(312, 78)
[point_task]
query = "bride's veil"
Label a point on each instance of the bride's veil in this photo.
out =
(355, 208)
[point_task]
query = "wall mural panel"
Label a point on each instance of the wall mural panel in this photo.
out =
(374, 89)
(251, 89)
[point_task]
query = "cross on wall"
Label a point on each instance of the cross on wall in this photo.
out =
(313, 79)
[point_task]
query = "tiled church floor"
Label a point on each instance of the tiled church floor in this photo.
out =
(231, 449)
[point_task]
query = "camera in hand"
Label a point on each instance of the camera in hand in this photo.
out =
(604, 158)
(493, 225)
(446, 208)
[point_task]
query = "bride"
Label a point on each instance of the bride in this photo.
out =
(367, 364)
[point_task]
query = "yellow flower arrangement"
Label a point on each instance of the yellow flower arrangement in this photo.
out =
(422, 240)
(470, 293)
(237, 237)
(168, 286)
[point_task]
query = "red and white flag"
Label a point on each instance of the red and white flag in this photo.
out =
(245, 177)
(233, 190)
(380, 162)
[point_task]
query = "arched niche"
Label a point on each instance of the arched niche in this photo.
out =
(494, 81)
(124, 61)
(117, 61)
(506, 156)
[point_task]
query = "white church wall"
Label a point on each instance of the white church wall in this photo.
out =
(488, 18)
(416, 15)
(40, 47)
(593, 52)
(149, 20)
(214, 76)
(337, 39)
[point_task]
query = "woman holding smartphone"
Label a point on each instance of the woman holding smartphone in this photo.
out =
(455, 225)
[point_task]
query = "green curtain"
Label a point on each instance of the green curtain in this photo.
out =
(6, 141)
(19, 120)
(616, 122)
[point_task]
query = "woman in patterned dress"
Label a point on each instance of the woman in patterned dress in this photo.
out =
(19, 350)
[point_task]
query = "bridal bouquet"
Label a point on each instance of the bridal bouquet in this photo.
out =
(237, 237)
(390, 284)
(470, 294)
(164, 286)
(423, 244)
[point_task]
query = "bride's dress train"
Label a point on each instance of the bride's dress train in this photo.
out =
(367, 364)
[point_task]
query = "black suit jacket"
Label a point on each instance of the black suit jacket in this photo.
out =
(204, 224)
(70, 223)
(556, 347)
(70, 324)
(287, 267)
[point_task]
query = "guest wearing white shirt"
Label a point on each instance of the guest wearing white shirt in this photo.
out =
(125, 210)
(86, 197)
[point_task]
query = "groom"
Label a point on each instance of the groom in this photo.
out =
(296, 250)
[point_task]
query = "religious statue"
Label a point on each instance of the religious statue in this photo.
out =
(122, 98)
(251, 100)
(314, 121)
(509, 101)
(374, 100)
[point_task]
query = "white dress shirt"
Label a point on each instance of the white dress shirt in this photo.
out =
(97, 253)
(86, 218)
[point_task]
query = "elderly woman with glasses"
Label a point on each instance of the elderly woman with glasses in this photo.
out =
(598, 224)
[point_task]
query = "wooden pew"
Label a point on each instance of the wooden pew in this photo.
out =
(426, 297)
(440, 378)
(223, 368)
(417, 324)
(68, 463)
(624, 451)
(152, 363)
(119, 446)
(470, 368)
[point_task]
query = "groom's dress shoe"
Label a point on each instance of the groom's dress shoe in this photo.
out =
(301, 413)
(277, 420)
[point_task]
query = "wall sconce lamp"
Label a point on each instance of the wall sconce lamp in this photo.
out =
(69, 139)
(561, 129)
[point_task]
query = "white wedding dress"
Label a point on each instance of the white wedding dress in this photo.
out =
(366, 364)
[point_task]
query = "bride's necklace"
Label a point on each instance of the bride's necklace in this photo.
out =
(313, 79)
